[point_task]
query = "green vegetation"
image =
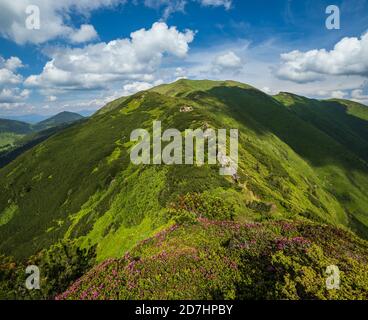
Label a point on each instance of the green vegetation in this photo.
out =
(227, 260)
(11, 131)
(59, 119)
(300, 160)
(17, 137)
(59, 266)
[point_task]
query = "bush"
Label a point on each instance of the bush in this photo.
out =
(204, 205)
(59, 266)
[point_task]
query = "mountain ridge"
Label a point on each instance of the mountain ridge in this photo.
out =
(217, 103)
(300, 193)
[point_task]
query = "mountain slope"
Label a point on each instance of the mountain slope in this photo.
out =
(11, 131)
(64, 117)
(17, 137)
(14, 126)
(345, 122)
(81, 184)
(227, 260)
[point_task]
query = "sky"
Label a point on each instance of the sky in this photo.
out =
(77, 55)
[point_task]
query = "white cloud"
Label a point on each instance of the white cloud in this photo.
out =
(86, 33)
(217, 3)
(51, 98)
(12, 95)
(8, 68)
(135, 87)
(13, 63)
(95, 66)
(228, 61)
(55, 19)
(171, 6)
(269, 91)
(348, 57)
(338, 94)
(358, 95)
(7, 77)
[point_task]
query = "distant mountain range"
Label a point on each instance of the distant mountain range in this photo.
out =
(16, 135)
(36, 118)
(29, 118)
(298, 205)
(61, 118)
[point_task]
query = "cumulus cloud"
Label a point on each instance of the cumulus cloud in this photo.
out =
(8, 68)
(8, 77)
(134, 87)
(54, 19)
(348, 57)
(55, 16)
(358, 95)
(12, 95)
(171, 6)
(94, 66)
(86, 33)
(9, 80)
(338, 94)
(228, 61)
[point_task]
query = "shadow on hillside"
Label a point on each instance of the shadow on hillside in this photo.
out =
(358, 227)
(263, 114)
(333, 118)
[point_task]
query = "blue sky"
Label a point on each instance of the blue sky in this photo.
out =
(88, 52)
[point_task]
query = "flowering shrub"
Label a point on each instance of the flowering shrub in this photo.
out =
(215, 259)
(191, 206)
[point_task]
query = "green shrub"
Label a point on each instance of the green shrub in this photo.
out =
(59, 266)
(202, 205)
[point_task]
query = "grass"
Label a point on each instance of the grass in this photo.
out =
(80, 184)
(228, 260)
(8, 139)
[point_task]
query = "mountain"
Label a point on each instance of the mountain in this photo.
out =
(13, 126)
(300, 160)
(23, 143)
(29, 118)
(11, 131)
(214, 260)
(16, 137)
(61, 118)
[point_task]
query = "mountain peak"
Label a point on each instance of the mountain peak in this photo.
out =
(185, 86)
(63, 117)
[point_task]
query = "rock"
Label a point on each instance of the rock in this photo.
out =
(186, 109)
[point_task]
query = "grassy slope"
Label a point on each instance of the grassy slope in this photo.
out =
(346, 123)
(227, 260)
(16, 137)
(8, 139)
(17, 127)
(80, 184)
(11, 131)
(59, 119)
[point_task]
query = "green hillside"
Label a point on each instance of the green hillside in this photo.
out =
(14, 126)
(11, 131)
(299, 159)
(59, 119)
(227, 260)
(17, 137)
